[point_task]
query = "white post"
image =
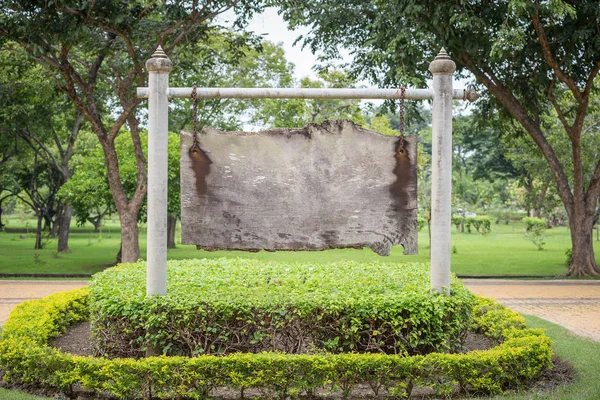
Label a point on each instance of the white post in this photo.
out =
(442, 69)
(158, 67)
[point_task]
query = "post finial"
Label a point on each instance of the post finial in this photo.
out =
(159, 53)
(159, 62)
(442, 64)
(442, 55)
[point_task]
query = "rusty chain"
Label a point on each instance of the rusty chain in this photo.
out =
(401, 128)
(194, 148)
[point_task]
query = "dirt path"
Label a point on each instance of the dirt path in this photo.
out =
(15, 292)
(572, 304)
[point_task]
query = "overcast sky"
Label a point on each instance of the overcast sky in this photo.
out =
(275, 30)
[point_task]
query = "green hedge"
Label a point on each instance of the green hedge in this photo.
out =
(25, 357)
(482, 223)
(421, 223)
(533, 223)
(225, 306)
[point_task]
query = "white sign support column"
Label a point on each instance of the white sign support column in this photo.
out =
(158, 67)
(442, 69)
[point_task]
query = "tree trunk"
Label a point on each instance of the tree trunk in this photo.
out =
(54, 227)
(130, 247)
(38, 233)
(119, 254)
(97, 222)
(583, 262)
(1, 224)
(64, 224)
(127, 208)
(429, 228)
(171, 227)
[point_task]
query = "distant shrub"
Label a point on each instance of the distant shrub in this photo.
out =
(534, 231)
(482, 224)
(568, 257)
(534, 223)
(421, 223)
(457, 221)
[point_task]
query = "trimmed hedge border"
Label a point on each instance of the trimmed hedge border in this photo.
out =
(25, 357)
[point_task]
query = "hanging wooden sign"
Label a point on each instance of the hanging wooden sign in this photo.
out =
(325, 186)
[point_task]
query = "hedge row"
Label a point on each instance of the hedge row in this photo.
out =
(482, 223)
(25, 357)
(533, 223)
(225, 306)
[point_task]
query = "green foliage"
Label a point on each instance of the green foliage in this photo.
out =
(534, 231)
(568, 257)
(25, 357)
(222, 306)
(482, 224)
(297, 113)
(507, 216)
(248, 66)
(88, 189)
(532, 223)
(421, 223)
(6, 394)
(457, 221)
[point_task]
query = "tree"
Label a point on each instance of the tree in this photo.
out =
(89, 192)
(37, 185)
(538, 60)
(42, 118)
(262, 64)
(296, 113)
(96, 51)
(8, 183)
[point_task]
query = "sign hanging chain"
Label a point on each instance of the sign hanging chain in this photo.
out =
(194, 148)
(401, 127)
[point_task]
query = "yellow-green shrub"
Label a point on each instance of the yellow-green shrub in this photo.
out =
(26, 357)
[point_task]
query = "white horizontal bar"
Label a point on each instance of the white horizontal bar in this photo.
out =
(304, 93)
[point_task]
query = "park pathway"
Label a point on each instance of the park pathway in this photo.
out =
(13, 292)
(572, 304)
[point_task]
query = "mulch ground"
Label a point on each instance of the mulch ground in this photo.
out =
(77, 341)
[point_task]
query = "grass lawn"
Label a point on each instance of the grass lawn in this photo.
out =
(583, 354)
(504, 251)
(6, 394)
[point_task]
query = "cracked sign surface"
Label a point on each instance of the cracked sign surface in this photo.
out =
(325, 186)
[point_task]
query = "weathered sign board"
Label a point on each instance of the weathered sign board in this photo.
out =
(329, 185)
